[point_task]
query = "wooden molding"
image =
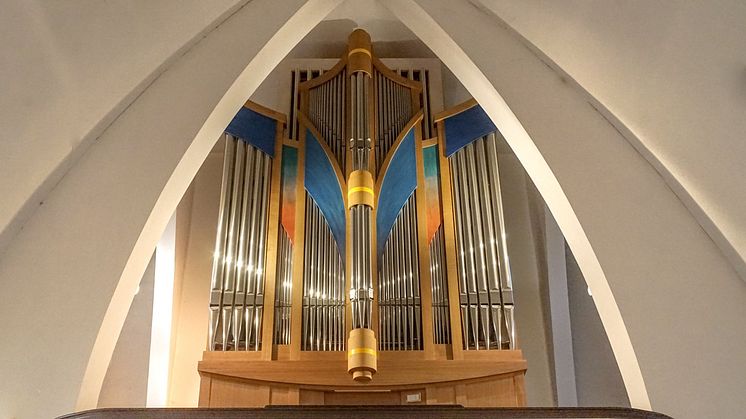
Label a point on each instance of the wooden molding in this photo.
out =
(430, 142)
(270, 261)
(307, 85)
(455, 110)
(306, 122)
(385, 165)
(449, 238)
(411, 84)
(270, 113)
(393, 371)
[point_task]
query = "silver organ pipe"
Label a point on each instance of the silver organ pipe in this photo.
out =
(485, 287)
(393, 111)
(327, 112)
(361, 292)
(283, 289)
(236, 300)
(323, 286)
(323, 311)
(399, 313)
(439, 285)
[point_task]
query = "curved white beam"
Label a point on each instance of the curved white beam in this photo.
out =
(266, 59)
(440, 42)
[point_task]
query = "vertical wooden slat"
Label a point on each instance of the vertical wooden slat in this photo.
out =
(426, 297)
(270, 263)
(296, 310)
(449, 236)
(519, 385)
(204, 390)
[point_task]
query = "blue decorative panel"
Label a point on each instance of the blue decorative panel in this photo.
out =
(255, 129)
(465, 127)
(399, 181)
(322, 184)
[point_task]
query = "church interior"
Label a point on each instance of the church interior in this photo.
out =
(373, 208)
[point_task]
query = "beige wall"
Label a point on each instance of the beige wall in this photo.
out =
(72, 67)
(529, 282)
(196, 220)
(597, 377)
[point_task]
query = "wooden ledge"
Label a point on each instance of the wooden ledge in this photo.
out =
(330, 370)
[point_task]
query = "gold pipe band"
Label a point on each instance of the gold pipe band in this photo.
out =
(362, 197)
(359, 50)
(359, 53)
(368, 351)
(362, 361)
(360, 189)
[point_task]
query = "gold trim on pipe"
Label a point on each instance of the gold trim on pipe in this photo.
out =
(359, 52)
(360, 189)
(362, 359)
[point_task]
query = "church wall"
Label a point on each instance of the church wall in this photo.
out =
(198, 214)
(654, 253)
(532, 320)
(597, 377)
(70, 70)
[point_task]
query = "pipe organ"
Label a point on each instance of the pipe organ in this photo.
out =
(356, 259)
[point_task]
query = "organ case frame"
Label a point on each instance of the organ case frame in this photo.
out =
(236, 366)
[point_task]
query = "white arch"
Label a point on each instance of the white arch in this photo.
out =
(279, 45)
(440, 42)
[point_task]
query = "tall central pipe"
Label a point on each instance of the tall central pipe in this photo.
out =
(361, 355)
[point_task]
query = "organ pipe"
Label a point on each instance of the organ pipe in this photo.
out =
(362, 358)
(399, 285)
(441, 317)
(283, 289)
(485, 286)
(323, 286)
(236, 302)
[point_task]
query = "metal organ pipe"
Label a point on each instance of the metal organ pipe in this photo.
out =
(323, 273)
(323, 279)
(236, 300)
(220, 242)
(362, 357)
(399, 285)
(484, 273)
(441, 321)
(283, 287)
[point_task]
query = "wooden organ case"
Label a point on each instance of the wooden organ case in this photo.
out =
(361, 263)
